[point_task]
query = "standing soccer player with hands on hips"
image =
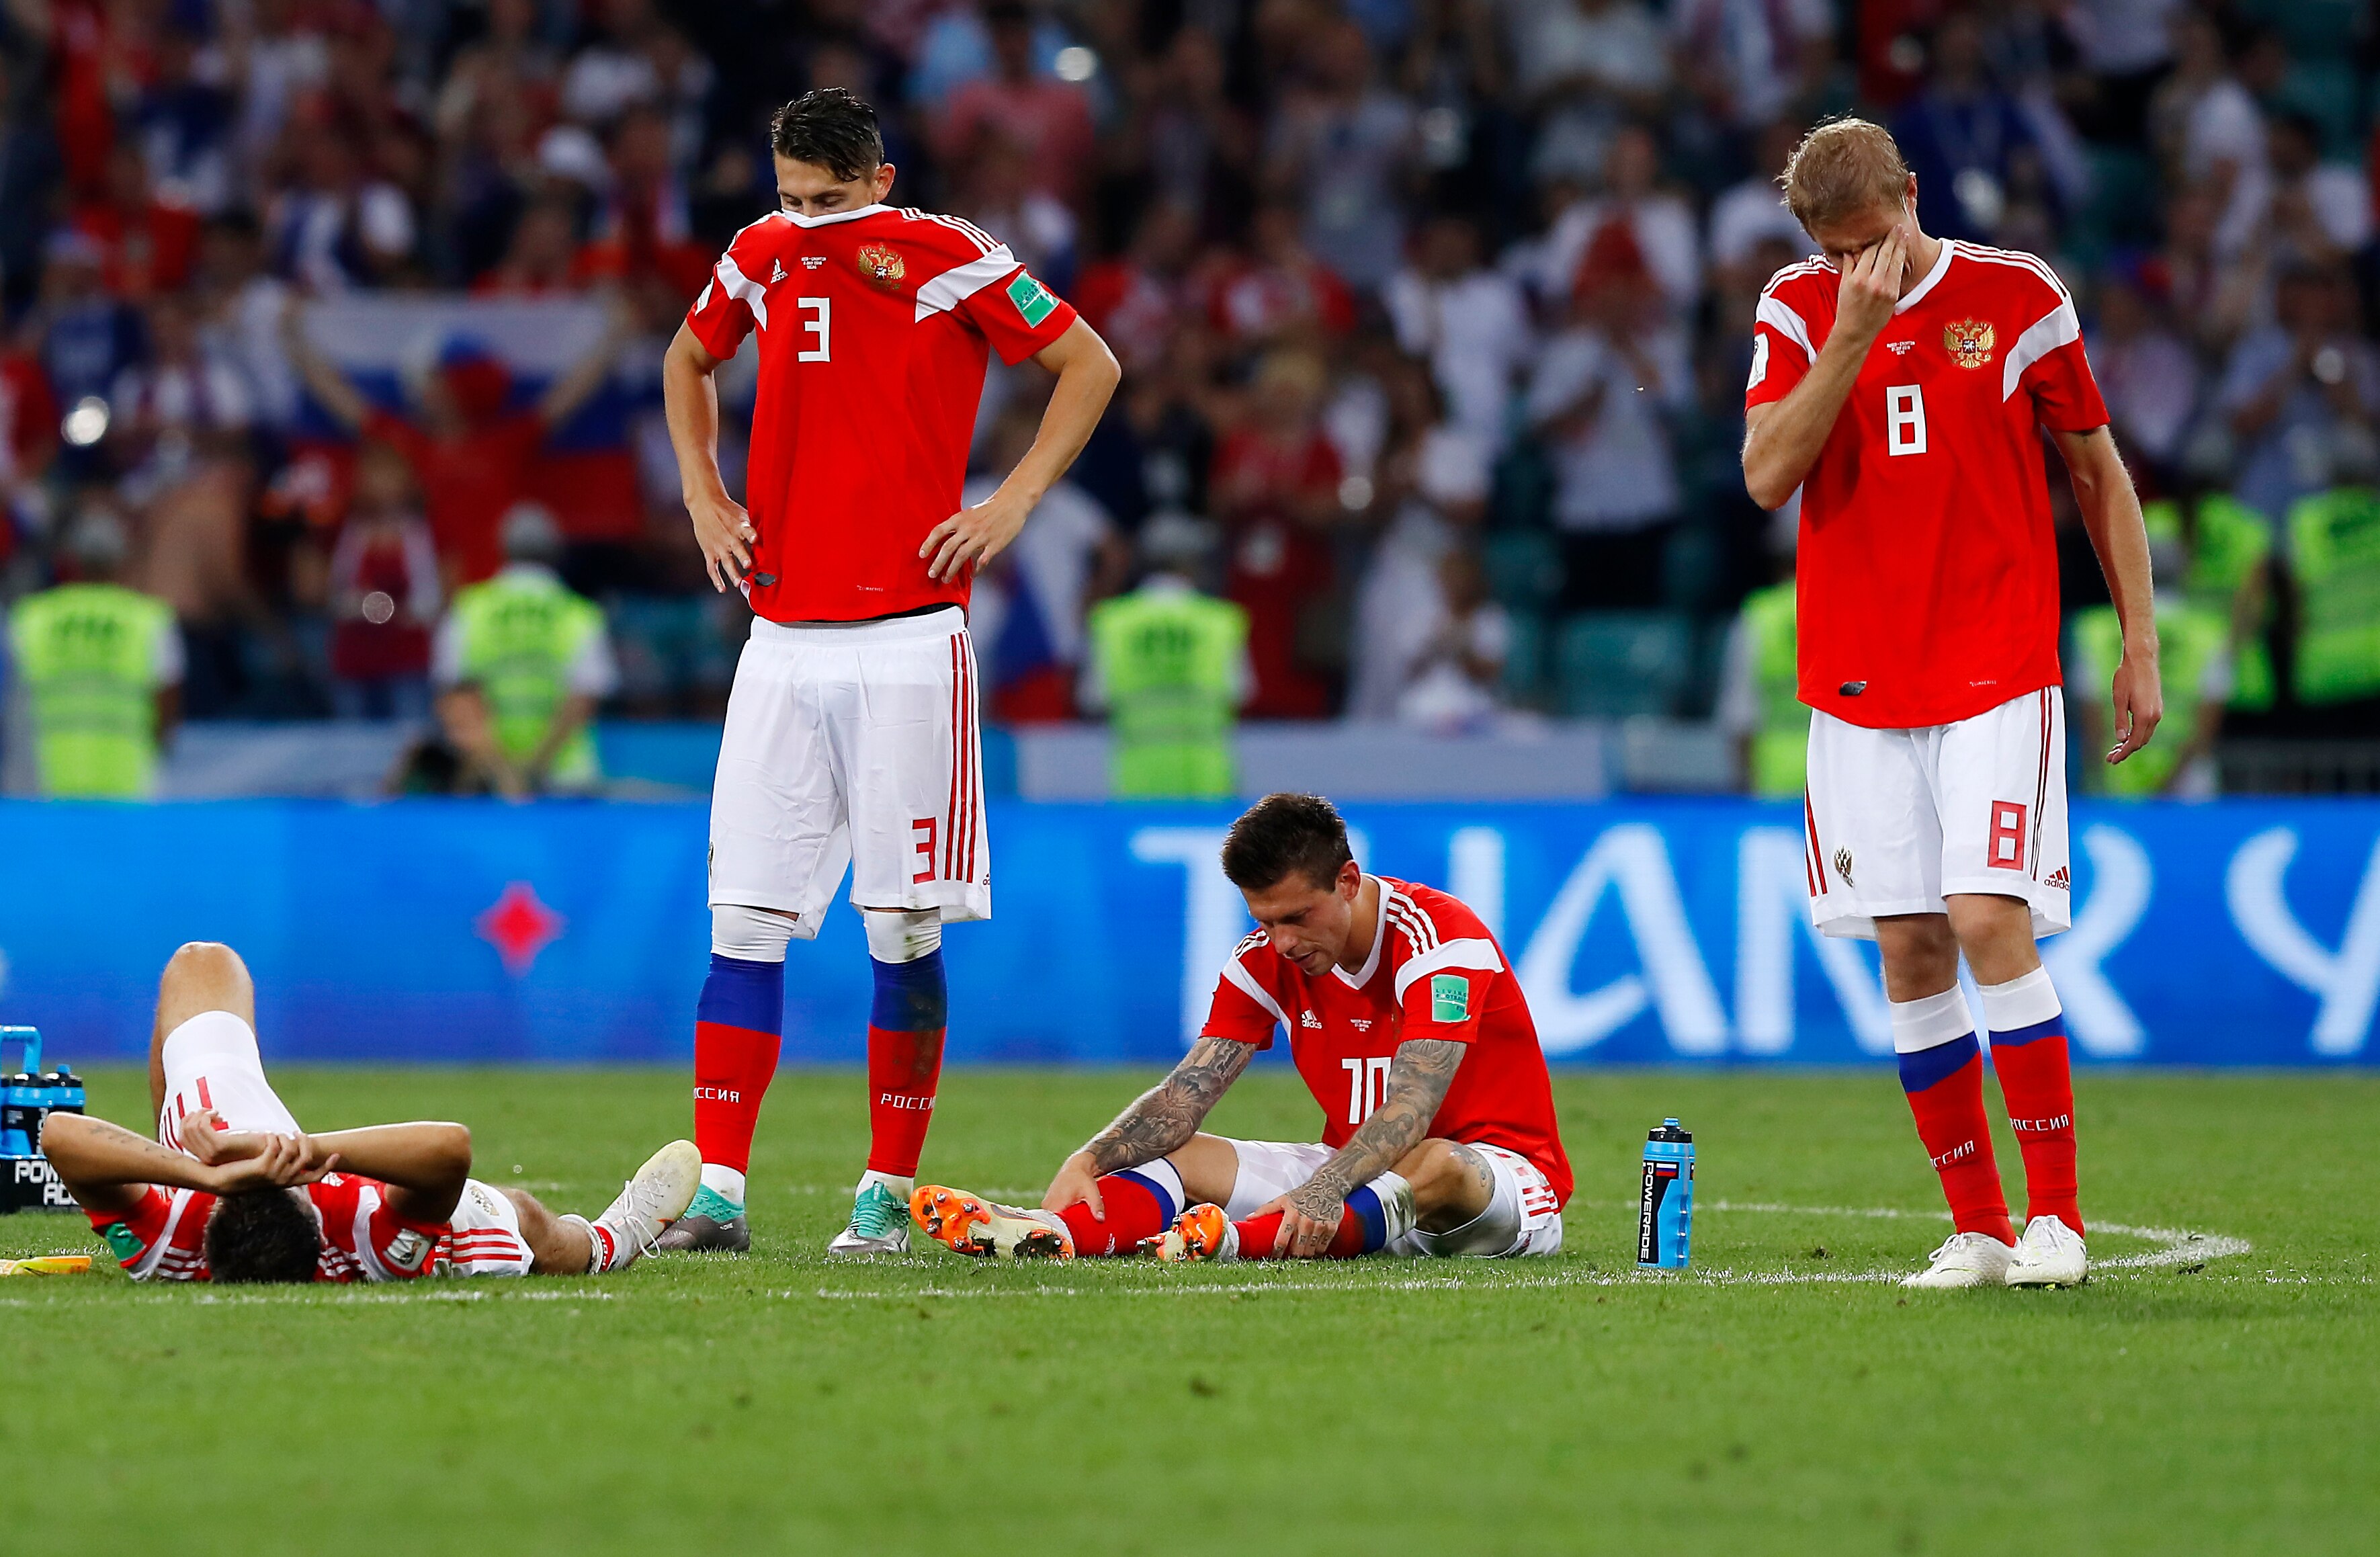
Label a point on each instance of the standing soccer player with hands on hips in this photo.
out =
(851, 738)
(1902, 382)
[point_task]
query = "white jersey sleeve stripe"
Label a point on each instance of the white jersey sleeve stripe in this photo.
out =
(1237, 972)
(1469, 952)
(743, 289)
(959, 282)
(2058, 327)
(1785, 322)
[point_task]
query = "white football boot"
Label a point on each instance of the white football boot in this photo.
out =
(1966, 1260)
(648, 1203)
(2050, 1253)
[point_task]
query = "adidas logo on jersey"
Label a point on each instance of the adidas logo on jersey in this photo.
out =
(779, 273)
(1309, 1019)
(2060, 881)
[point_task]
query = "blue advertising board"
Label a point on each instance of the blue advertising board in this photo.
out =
(2245, 932)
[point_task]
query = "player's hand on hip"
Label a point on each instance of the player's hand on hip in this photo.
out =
(1871, 287)
(973, 535)
(1077, 1185)
(2139, 704)
(724, 532)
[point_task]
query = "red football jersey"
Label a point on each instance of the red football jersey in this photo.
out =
(1435, 972)
(1927, 569)
(164, 1237)
(874, 327)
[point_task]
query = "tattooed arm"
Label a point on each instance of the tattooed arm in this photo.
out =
(1159, 1121)
(1418, 1079)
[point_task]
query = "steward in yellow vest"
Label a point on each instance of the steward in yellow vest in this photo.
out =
(101, 667)
(537, 659)
(2195, 657)
(2225, 546)
(2335, 553)
(1763, 701)
(1171, 665)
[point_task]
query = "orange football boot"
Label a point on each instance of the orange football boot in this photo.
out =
(969, 1224)
(1200, 1233)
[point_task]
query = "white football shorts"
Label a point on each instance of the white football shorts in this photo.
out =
(212, 1063)
(1521, 1216)
(1895, 820)
(484, 1237)
(853, 747)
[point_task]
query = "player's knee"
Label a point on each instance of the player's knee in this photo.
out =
(204, 976)
(901, 935)
(1439, 1171)
(750, 934)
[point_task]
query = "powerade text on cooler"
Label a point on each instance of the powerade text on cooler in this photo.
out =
(1665, 1215)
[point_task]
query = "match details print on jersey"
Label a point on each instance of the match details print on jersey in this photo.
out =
(1928, 567)
(875, 327)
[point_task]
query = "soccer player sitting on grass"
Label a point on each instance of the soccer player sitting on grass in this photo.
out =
(232, 1190)
(1439, 1134)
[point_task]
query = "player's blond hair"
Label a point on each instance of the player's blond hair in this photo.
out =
(1842, 168)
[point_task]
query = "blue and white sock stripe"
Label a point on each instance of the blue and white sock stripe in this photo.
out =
(1922, 1068)
(2054, 1028)
(1366, 1203)
(1169, 1200)
(910, 996)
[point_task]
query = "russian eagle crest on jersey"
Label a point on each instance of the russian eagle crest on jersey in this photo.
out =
(1927, 576)
(875, 327)
(1435, 971)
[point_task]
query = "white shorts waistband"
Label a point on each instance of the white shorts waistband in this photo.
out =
(946, 622)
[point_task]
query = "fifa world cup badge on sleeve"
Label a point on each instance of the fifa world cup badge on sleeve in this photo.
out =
(1664, 1212)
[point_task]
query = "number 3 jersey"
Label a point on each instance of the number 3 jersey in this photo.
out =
(875, 327)
(1434, 972)
(1928, 565)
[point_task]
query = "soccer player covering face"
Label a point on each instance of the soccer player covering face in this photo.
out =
(851, 738)
(1438, 1115)
(232, 1190)
(1903, 384)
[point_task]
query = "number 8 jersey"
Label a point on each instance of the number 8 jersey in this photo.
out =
(874, 330)
(1927, 564)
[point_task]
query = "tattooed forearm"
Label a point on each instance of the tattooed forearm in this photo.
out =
(1417, 1083)
(1169, 1113)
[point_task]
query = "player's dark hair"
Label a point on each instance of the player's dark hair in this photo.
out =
(262, 1236)
(831, 127)
(1284, 832)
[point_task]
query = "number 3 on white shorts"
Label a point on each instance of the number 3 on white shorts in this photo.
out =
(1905, 420)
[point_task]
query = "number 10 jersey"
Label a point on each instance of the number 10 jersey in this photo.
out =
(1927, 569)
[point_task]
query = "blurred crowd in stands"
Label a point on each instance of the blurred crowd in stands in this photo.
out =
(1435, 313)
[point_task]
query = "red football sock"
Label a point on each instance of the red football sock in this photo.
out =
(903, 1070)
(733, 1068)
(1259, 1234)
(1134, 1213)
(1958, 1136)
(2037, 1081)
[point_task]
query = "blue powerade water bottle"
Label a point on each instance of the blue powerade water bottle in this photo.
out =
(20, 1093)
(1665, 1215)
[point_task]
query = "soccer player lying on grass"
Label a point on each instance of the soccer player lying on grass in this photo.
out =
(1439, 1134)
(232, 1190)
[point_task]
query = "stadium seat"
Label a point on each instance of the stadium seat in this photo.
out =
(1524, 569)
(2312, 29)
(1612, 664)
(1524, 665)
(1522, 496)
(1693, 567)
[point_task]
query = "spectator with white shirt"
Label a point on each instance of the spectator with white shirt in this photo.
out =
(2321, 211)
(1749, 61)
(1606, 392)
(1747, 213)
(2147, 373)
(1434, 485)
(1657, 222)
(1581, 64)
(1468, 322)
(2209, 130)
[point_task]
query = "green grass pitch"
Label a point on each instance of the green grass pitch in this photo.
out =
(2217, 1402)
